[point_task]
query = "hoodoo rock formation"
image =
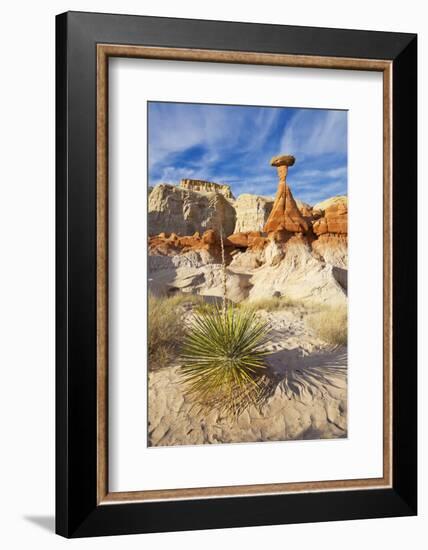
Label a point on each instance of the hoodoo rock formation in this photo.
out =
(280, 247)
(285, 214)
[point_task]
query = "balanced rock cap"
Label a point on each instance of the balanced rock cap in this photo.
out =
(283, 160)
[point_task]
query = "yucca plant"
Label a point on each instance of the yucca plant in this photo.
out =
(223, 358)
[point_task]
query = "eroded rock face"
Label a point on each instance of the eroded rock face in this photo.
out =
(166, 244)
(248, 259)
(332, 249)
(177, 210)
(305, 209)
(201, 186)
(190, 272)
(280, 247)
(252, 212)
(289, 270)
(285, 213)
(252, 239)
(293, 271)
(320, 207)
(334, 219)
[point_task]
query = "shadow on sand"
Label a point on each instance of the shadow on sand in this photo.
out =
(303, 376)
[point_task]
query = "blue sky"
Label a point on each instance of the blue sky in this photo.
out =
(234, 145)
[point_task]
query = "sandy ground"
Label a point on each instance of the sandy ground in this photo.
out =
(308, 397)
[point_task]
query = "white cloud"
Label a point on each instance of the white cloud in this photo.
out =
(172, 174)
(315, 133)
(176, 127)
(313, 196)
(338, 172)
(236, 147)
(171, 130)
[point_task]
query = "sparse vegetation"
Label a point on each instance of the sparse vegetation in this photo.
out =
(207, 306)
(270, 304)
(167, 332)
(222, 358)
(166, 327)
(331, 324)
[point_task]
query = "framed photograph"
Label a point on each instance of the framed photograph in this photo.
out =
(236, 282)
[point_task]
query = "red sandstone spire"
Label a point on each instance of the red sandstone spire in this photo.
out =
(285, 214)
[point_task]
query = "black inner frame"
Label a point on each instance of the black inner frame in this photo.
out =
(77, 513)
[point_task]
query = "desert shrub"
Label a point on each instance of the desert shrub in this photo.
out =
(223, 358)
(330, 324)
(166, 328)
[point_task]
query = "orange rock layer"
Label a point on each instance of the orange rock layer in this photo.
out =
(250, 239)
(285, 214)
(168, 244)
(335, 220)
(332, 225)
(285, 222)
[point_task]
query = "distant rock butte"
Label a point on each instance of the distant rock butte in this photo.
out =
(252, 212)
(201, 186)
(285, 214)
(182, 210)
(179, 210)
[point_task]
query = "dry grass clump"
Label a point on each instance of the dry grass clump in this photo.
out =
(166, 328)
(182, 298)
(330, 324)
(270, 304)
